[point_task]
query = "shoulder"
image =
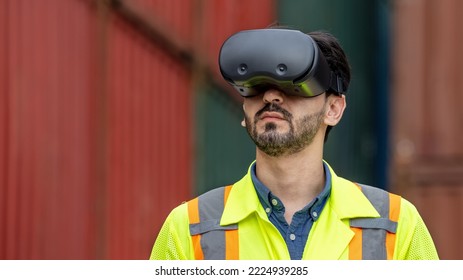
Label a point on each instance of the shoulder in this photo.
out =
(178, 215)
(213, 194)
(410, 217)
(414, 242)
(404, 209)
(181, 212)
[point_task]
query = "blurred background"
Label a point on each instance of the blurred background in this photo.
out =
(112, 112)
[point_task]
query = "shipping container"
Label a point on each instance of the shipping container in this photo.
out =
(97, 124)
(426, 118)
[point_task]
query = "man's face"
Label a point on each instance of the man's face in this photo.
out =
(283, 125)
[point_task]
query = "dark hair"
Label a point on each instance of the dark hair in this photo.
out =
(336, 58)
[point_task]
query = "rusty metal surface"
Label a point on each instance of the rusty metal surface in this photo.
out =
(96, 139)
(45, 188)
(427, 164)
(4, 112)
(149, 142)
(94, 161)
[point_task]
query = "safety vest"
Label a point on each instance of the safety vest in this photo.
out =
(374, 238)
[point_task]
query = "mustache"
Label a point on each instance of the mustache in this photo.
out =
(273, 107)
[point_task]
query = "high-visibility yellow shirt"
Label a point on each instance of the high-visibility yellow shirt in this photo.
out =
(328, 239)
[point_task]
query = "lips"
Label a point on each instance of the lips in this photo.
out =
(273, 111)
(272, 116)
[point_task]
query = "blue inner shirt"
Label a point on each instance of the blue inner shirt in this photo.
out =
(296, 233)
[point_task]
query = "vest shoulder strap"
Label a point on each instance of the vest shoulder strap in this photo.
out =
(211, 241)
(375, 237)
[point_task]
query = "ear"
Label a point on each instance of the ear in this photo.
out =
(243, 122)
(335, 109)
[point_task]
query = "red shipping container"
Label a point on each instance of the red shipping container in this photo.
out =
(96, 143)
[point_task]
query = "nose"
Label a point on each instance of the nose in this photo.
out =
(273, 96)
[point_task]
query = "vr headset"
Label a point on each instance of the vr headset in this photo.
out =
(253, 61)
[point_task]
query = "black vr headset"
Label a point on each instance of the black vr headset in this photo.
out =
(253, 61)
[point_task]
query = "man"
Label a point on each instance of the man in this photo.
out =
(291, 204)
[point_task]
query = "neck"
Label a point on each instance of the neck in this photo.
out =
(296, 179)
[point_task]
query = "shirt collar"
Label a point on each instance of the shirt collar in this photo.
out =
(313, 208)
(345, 201)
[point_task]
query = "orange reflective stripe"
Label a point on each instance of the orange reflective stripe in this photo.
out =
(231, 236)
(197, 247)
(394, 207)
(394, 212)
(355, 245)
(226, 193)
(193, 213)
(232, 245)
(390, 243)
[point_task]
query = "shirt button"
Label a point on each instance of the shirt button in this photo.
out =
(292, 236)
(267, 210)
(274, 202)
(315, 214)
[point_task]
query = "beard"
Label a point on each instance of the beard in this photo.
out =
(301, 132)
